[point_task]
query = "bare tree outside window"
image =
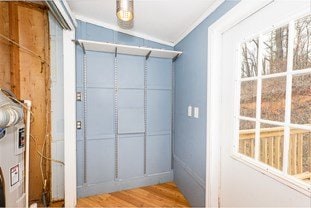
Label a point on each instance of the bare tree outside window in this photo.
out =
(249, 63)
(275, 51)
(302, 47)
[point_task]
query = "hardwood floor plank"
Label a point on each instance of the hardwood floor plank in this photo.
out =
(167, 193)
(162, 195)
(159, 201)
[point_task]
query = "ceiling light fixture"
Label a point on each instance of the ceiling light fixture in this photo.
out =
(125, 13)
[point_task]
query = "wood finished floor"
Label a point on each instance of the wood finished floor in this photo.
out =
(162, 195)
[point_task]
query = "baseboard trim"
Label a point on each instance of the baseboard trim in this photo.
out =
(113, 186)
(192, 174)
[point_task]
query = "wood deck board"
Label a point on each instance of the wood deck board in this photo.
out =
(162, 195)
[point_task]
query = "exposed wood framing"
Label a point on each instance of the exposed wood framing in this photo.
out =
(29, 77)
(5, 78)
(14, 58)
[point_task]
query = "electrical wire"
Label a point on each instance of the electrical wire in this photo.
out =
(24, 48)
(47, 158)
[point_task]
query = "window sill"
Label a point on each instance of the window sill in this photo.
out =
(276, 174)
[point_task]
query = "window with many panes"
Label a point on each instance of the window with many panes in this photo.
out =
(275, 99)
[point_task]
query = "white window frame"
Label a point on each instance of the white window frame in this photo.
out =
(237, 14)
(290, 180)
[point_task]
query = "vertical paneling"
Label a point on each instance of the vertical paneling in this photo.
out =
(102, 157)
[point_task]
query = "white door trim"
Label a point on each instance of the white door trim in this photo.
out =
(237, 14)
(69, 118)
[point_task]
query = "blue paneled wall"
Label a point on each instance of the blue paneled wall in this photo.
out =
(190, 89)
(96, 169)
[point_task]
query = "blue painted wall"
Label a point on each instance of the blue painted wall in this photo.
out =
(190, 89)
(100, 148)
(57, 108)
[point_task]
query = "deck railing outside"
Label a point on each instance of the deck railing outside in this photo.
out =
(271, 149)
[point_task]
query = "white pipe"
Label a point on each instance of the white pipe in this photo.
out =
(28, 104)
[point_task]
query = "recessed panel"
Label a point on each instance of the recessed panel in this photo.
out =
(131, 157)
(159, 73)
(159, 111)
(131, 121)
(100, 69)
(131, 111)
(158, 154)
(100, 161)
(130, 71)
(100, 113)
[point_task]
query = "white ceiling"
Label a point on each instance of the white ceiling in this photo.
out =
(165, 21)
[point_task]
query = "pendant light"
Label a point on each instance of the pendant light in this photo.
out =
(125, 13)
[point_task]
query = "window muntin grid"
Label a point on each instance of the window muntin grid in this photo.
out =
(266, 97)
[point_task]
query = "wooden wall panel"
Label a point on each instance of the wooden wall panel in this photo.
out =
(4, 47)
(35, 85)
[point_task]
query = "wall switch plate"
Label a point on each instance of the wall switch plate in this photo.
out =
(189, 110)
(196, 112)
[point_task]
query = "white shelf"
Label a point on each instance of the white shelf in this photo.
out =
(127, 49)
